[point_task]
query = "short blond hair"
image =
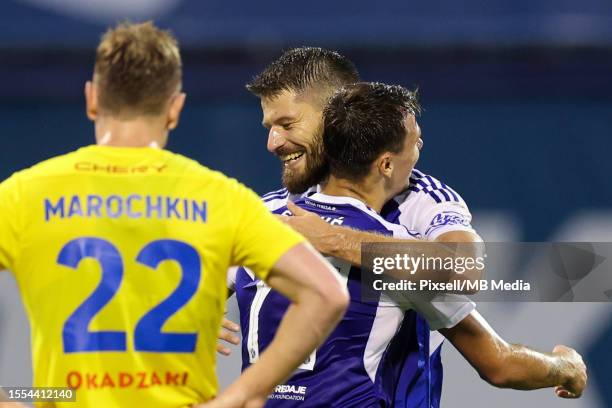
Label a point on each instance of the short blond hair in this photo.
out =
(138, 68)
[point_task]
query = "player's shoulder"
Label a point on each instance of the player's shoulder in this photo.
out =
(425, 197)
(428, 206)
(87, 160)
(429, 189)
(47, 168)
(280, 195)
(277, 199)
(44, 169)
(189, 169)
(353, 213)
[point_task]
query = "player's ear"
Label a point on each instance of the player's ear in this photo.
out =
(384, 164)
(91, 100)
(174, 112)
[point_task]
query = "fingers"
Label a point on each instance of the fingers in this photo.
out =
(223, 350)
(228, 336)
(564, 393)
(229, 325)
(559, 348)
(574, 369)
(295, 209)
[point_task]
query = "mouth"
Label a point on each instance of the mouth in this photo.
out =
(292, 158)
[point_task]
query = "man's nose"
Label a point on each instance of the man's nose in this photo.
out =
(275, 140)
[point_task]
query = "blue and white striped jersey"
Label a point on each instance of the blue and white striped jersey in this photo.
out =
(378, 355)
(427, 207)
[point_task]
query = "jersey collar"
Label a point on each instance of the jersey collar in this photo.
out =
(340, 200)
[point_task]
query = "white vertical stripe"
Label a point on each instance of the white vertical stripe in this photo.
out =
(386, 323)
(435, 341)
(253, 336)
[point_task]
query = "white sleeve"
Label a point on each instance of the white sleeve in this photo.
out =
(442, 311)
(446, 217)
(431, 219)
(231, 278)
(422, 213)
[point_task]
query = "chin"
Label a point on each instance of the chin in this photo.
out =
(308, 175)
(295, 184)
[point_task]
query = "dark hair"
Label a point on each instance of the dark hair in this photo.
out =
(138, 68)
(299, 69)
(363, 120)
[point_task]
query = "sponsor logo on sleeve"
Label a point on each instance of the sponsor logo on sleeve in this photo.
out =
(447, 218)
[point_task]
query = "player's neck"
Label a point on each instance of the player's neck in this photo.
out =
(138, 132)
(369, 193)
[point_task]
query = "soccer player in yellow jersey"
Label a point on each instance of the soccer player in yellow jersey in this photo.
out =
(121, 249)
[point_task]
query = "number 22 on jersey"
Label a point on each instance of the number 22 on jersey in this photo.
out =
(147, 333)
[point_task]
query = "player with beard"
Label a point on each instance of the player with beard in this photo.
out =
(293, 91)
(372, 141)
(376, 346)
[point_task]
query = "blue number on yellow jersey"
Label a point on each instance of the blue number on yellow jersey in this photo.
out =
(121, 255)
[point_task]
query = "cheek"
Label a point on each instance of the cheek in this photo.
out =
(416, 154)
(304, 138)
(293, 137)
(411, 160)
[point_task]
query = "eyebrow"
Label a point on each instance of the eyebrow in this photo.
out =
(282, 119)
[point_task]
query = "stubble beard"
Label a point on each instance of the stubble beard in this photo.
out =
(315, 169)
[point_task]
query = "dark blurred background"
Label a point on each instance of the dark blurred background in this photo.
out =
(517, 98)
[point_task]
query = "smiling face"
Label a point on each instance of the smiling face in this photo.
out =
(295, 128)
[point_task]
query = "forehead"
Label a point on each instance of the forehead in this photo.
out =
(287, 104)
(411, 126)
(285, 100)
(410, 122)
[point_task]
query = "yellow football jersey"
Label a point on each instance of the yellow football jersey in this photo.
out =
(121, 257)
